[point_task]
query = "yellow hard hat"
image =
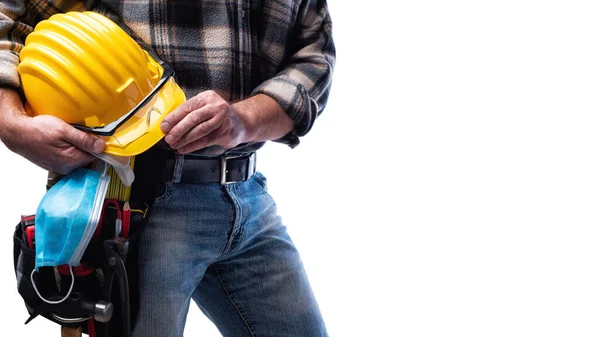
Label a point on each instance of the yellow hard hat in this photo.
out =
(84, 69)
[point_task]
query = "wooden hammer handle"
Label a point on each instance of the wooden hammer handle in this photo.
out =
(70, 332)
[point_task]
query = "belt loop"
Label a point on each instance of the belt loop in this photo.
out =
(178, 168)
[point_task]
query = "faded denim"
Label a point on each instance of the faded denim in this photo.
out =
(226, 248)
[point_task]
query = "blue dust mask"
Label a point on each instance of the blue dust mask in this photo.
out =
(66, 220)
(67, 217)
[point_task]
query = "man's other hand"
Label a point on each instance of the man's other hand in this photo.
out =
(204, 120)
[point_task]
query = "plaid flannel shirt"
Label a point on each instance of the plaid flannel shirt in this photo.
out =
(238, 48)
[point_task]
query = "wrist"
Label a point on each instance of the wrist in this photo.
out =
(263, 118)
(13, 118)
(11, 126)
(248, 120)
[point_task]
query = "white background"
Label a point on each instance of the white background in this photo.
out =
(452, 186)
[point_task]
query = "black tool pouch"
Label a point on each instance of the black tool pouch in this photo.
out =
(95, 297)
(104, 294)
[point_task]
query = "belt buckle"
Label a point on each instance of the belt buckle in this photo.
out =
(249, 170)
(223, 176)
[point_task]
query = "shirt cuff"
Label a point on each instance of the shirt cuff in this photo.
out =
(9, 77)
(295, 101)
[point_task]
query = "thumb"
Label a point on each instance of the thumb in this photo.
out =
(84, 141)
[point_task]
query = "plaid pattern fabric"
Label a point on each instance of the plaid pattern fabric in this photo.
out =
(281, 48)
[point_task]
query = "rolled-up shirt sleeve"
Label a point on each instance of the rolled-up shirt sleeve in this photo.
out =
(13, 32)
(17, 19)
(302, 86)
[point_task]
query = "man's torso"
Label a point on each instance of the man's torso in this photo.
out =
(229, 46)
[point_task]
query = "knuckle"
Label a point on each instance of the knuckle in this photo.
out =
(200, 129)
(194, 118)
(204, 95)
(222, 105)
(68, 154)
(182, 110)
(174, 132)
(60, 131)
(60, 128)
(84, 139)
(188, 106)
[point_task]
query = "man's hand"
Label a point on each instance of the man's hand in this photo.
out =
(44, 140)
(204, 120)
(53, 144)
(207, 119)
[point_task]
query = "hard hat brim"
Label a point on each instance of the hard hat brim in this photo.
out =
(142, 130)
(109, 129)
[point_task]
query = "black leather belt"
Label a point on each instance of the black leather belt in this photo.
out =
(223, 170)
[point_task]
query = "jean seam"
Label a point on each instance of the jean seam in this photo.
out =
(237, 215)
(238, 307)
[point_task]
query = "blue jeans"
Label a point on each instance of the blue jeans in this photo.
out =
(226, 248)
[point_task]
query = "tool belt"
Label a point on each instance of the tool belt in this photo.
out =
(104, 300)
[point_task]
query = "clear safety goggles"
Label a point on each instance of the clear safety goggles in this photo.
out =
(138, 110)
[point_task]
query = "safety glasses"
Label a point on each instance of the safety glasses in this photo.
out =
(111, 128)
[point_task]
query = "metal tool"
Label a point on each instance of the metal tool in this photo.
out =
(115, 254)
(74, 309)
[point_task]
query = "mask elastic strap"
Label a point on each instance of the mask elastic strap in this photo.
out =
(53, 302)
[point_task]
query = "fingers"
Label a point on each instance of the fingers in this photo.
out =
(180, 112)
(80, 160)
(69, 157)
(190, 130)
(197, 122)
(83, 141)
(194, 120)
(64, 160)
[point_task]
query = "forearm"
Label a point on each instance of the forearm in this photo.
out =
(11, 113)
(303, 83)
(264, 118)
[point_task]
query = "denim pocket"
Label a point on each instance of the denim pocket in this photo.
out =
(163, 193)
(261, 180)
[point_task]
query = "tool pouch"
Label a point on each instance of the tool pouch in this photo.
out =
(91, 285)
